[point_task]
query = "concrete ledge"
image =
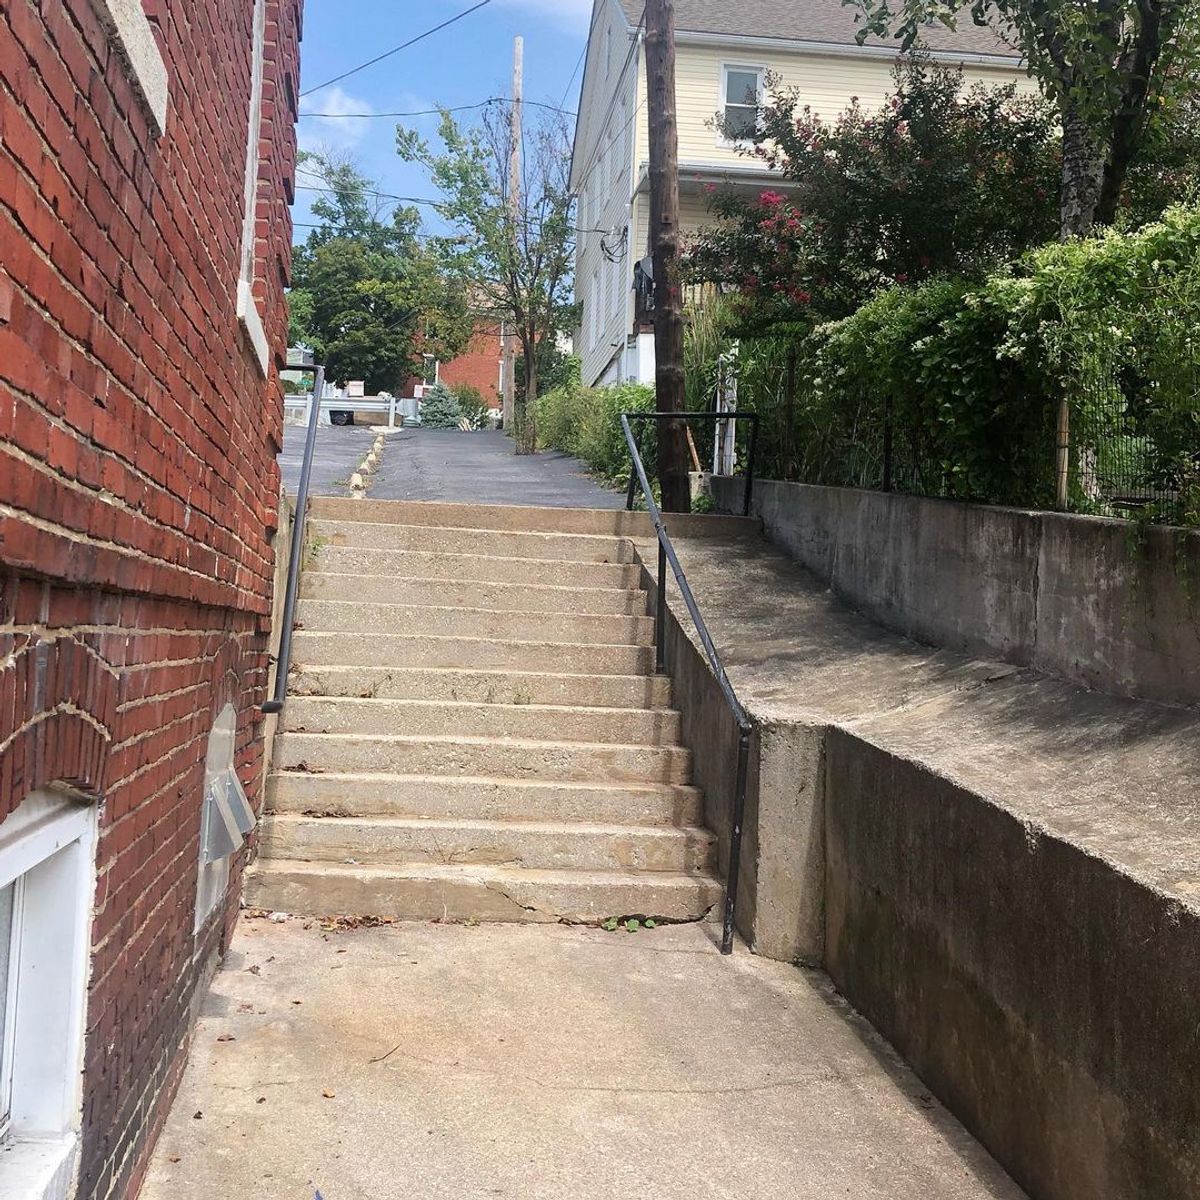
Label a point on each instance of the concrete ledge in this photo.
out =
(1046, 995)
(1092, 601)
(134, 40)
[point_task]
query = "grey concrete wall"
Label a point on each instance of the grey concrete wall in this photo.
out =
(1047, 998)
(780, 906)
(1091, 601)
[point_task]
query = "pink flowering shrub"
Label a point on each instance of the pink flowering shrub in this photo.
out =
(943, 179)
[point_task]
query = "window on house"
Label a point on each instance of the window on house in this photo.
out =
(742, 97)
(47, 882)
(226, 816)
(247, 306)
(429, 370)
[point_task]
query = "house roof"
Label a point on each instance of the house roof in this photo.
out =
(827, 22)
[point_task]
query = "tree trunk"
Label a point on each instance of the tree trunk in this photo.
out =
(1082, 176)
(1130, 118)
(664, 246)
(525, 404)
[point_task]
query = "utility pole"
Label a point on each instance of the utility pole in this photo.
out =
(664, 249)
(514, 208)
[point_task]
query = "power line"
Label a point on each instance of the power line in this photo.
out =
(396, 49)
(311, 187)
(430, 112)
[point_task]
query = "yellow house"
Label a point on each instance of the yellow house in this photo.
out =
(725, 54)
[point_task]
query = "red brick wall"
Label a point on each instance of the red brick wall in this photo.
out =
(478, 365)
(138, 487)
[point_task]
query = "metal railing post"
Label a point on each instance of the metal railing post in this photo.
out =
(750, 466)
(735, 840)
(660, 626)
(283, 666)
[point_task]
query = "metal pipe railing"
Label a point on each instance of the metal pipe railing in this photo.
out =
(666, 554)
(283, 665)
(705, 416)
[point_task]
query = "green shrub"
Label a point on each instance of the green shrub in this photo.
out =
(600, 440)
(440, 408)
(963, 381)
(559, 415)
(586, 422)
(475, 410)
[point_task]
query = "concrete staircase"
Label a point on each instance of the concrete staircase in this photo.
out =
(474, 729)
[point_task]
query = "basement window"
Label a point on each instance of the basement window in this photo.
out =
(741, 99)
(47, 882)
(247, 306)
(226, 817)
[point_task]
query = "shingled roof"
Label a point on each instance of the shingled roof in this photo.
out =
(824, 21)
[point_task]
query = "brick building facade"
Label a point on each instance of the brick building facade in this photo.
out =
(147, 150)
(479, 366)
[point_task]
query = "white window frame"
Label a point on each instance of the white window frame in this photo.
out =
(48, 848)
(760, 70)
(226, 817)
(597, 321)
(247, 307)
(133, 38)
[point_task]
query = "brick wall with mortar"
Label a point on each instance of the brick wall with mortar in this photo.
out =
(138, 486)
(478, 366)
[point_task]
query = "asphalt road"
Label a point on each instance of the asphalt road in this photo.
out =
(480, 467)
(339, 450)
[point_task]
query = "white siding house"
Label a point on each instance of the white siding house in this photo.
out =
(724, 55)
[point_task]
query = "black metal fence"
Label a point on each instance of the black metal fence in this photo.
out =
(1111, 449)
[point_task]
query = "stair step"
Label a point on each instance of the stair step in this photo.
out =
(509, 758)
(454, 593)
(640, 727)
(428, 892)
(316, 649)
(353, 793)
(498, 543)
(371, 619)
(528, 844)
(479, 568)
(484, 687)
(522, 517)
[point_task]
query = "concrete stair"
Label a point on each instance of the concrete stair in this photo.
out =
(474, 729)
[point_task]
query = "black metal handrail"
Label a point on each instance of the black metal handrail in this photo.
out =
(705, 416)
(666, 554)
(283, 665)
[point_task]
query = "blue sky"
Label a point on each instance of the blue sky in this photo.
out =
(468, 62)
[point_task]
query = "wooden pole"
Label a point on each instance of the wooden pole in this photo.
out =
(508, 329)
(664, 248)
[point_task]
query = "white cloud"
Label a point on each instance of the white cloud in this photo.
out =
(337, 131)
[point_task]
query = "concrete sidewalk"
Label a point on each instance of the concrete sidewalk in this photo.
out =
(339, 450)
(544, 1063)
(481, 468)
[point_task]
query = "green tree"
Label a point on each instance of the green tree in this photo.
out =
(366, 296)
(513, 258)
(1107, 64)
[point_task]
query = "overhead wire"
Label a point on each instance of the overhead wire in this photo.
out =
(396, 49)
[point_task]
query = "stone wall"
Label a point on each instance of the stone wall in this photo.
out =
(138, 484)
(1093, 601)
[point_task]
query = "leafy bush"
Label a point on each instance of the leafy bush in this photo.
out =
(475, 410)
(586, 422)
(440, 408)
(959, 384)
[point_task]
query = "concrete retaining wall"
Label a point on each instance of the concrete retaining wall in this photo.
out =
(1046, 997)
(780, 906)
(1091, 601)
